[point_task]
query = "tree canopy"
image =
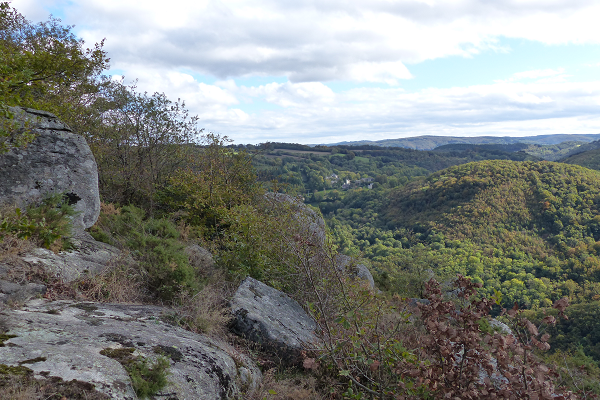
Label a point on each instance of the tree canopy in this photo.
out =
(39, 62)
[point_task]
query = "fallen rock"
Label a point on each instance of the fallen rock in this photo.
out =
(57, 161)
(271, 318)
(65, 339)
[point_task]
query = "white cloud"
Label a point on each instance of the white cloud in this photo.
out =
(538, 73)
(307, 40)
(388, 72)
(184, 86)
(311, 42)
(292, 94)
(311, 113)
(540, 76)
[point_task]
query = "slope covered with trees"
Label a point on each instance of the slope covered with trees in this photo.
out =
(307, 169)
(589, 159)
(531, 228)
(550, 152)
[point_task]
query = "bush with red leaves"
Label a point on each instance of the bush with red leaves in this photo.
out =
(449, 358)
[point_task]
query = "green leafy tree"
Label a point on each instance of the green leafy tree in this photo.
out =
(141, 141)
(38, 62)
(217, 179)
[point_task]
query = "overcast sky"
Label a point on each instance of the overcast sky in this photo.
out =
(323, 71)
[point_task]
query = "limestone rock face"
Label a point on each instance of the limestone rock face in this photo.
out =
(57, 161)
(273, 319)
(64, 339)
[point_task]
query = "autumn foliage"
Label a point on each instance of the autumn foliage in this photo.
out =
(440, 351)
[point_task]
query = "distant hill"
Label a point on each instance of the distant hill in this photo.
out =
(431, 142)
(483, 200)
(589, 159)
(550, 152)
(583, 148)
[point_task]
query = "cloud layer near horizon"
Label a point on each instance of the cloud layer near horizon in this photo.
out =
(199, 51)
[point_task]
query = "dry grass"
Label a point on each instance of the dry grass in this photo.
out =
(13, 389)
(301, 387)
(122, 282)
(11, 250)
(206, 311)
(25, 387)
(185, 231)
(109, 209)
(12, 247)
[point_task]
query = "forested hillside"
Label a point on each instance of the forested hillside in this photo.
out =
(307, 170)
(549, 152)
(527, 231)
(589, 159)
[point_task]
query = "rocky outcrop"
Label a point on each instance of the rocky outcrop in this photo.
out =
(57, 161)
(89, 258)
(309, 225)
(200, 258)
(73, 342)
(272, 319)
(65, 339)
(15, 293)
(359, 271)
(500, 327)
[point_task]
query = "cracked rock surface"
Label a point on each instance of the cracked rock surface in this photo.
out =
(64, 339)
(89, 258)
(57, 161)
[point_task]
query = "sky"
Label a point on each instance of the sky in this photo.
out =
(325, 71)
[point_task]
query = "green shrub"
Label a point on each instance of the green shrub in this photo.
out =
(47, 224)
(147, 378)
(155, 244)
(575, 371)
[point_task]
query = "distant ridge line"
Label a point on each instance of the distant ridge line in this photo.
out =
(427, 142)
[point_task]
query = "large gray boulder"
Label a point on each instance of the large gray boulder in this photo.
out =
(57, 161)
(65, 339)
(274, 320)
(200, 258)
